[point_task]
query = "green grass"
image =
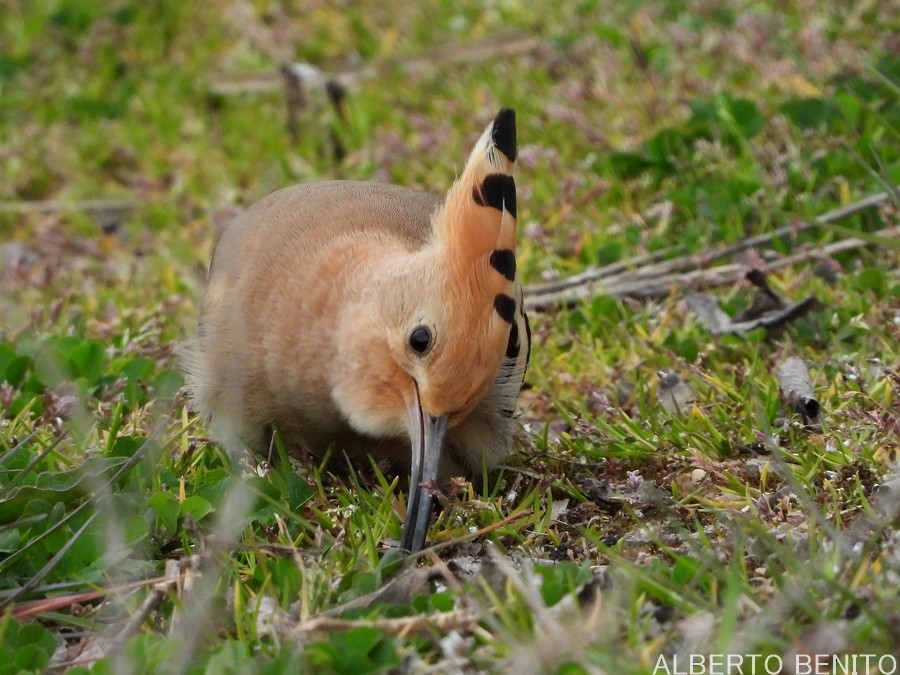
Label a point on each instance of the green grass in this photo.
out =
(730, 526)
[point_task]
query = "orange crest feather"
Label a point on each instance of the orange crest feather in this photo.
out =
(479, 214)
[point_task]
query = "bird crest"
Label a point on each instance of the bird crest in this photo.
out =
(475, 231)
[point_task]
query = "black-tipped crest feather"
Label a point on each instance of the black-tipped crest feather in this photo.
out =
(504, 133)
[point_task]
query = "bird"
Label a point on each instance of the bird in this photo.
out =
(372, 319)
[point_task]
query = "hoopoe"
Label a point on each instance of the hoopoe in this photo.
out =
(372, 318)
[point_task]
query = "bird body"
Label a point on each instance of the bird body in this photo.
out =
(371, 318)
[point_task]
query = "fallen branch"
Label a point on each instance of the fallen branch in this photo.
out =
(643, 286)
(654, 264)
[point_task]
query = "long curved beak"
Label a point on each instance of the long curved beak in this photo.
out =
(426, 434)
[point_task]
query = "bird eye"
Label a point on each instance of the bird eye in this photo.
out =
(420, 340)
